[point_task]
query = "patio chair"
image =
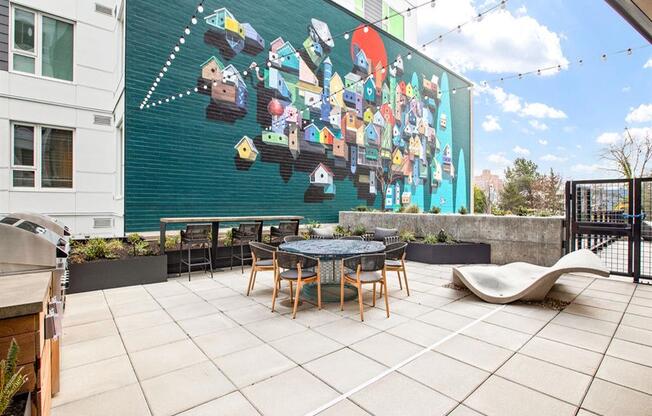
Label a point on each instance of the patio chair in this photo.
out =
(524, 281)
(285, 228)
(321, 233)
(245, 233)
(196, 235)
(299, 269)
(380, 234)
(362, 270)
(395, 262)
(263, 259)
(352, 237)
(291, 238)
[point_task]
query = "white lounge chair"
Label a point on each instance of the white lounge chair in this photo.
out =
(524, 281)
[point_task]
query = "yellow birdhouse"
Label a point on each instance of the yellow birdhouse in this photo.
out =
(246, 149)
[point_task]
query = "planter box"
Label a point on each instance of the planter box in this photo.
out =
(20, 405)
(107, 274)
(460, 253)
(223, 258)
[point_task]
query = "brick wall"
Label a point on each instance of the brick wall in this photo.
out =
(180, 160)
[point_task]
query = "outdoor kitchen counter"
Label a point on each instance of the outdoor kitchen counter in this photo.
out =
(23, 294)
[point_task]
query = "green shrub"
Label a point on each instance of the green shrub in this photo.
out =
(361, 208)
(312, 224)
(463, 210)
(430, 239)
(412, 209)
(497, 211)
(435, 210)
(342, 231)
(141, 248)
(359, 230)
(11, 379)
(444, 237)
(228, 238)
(172, 241)
(407, 236)
(99, 248)
(134, 238)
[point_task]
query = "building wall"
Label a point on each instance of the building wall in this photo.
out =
(96, 90)
(180, 156)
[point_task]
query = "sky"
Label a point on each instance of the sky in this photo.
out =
(560, 119)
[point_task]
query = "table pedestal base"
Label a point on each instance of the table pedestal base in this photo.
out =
(330, 292)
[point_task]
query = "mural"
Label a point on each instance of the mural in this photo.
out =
(378, 125)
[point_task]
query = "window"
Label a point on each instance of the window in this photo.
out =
(42, 45)
(42, 157)
(359, 7)
(393, 22)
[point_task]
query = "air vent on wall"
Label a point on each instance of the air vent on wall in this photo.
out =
(103, 9)
(102, 222)
(102, 120)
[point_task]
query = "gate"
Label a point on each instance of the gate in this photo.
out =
(608, 217)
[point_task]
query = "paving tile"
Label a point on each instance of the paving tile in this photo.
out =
(202, 325)
(419, 333)
(601, 294)
(637, 321)
(311, 318)
(576, 337)
(629, 333)
(165, 289)
(124, 401)
(273, 396)
(453, 378)
(344, 369)
(516, 322)
(234, 302)
(386, 348)
(586, 324)
(252, 365)
(191, 310)
(446, 320)
(87, 332)
(162, 359)
(344, 407)
(477, 353)
(445, 292)
(595, 313)
(274, 328)
(154, 336)
(249, 314)
(530, 311)
(500, 397)
(583, 412)
(226, 341)
(186, 388)
(428, 300)
(142, 320)
(462, 410)
(574, 358)
(403, 308)
(133, 307)
(377, 318)
(91, 351)
(233, 404)
(79, 316)
(639, 310)
(173, 301)
(601, 303)
(637, 353)
(556, 381)
(91, 379)
(625, 373)
(468, 309)
(216, 293)
(497, 335)
(613, 286)
(608, 399)
(305, 346)
(397, 395)
(642, 300)
(346, 331)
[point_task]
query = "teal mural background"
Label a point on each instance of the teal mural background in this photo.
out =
(179, 163)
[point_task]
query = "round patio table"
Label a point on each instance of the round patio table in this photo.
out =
(330, 251)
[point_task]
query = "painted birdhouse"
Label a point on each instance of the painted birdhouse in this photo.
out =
(397, 157)
(253, 42)
(406, 198)
(321, 33)
(311, 133)
(275, 139)
(360, 62)
(326, 136)
(371, 135)
(306, 75)
(435, 179)
(378, 119)
(246, 149)
(387, 113)
(447, 158)
(372, 182)
(352, 82)
(321, 176)
(335, 117)
(293, 140)
(398, 65)
(443, 120)
(340, 149)
(368, 115)
(389, 197)
(385, 94)
(212, 69)
(370, 89)
(409, 91)
(353, 151)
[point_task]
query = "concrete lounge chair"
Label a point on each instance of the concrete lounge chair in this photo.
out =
(524, 281)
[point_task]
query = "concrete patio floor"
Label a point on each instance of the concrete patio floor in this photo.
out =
(203, 348)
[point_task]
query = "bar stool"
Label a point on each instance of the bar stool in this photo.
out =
(193, 235)
(285, 228)
(241, 236)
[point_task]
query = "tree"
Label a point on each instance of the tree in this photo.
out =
(547, 195)
(629, 157)
(518, 192)
(479, 200)
(385, 177)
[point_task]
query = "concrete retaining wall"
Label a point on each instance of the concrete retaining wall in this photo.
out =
(535, 240)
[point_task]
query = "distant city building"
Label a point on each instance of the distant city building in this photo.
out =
(490, 184)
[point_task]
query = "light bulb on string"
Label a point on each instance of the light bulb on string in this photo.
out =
(165, 69)
(196, 89)
(432, 3)
(187, 30)
(188, 92)
(182, 40)
(167, 100)
(409, 55)
(176, 48)
(604, 57)
(181, 94)
(193, 20)
(168, 63)
(153, 104)
(200, 8)
(160, 74)
(629, 51)
(155, 84)
(159, 102)
(409, 12)
(173, 98)
(244, 73)
(502, 4)
(172, 56)
(205, 87)
(454, 91)
(158, 79)
(365, 29)
(459, 28)
(346, 35)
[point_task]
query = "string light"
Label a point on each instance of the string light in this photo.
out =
(200, 8)
(193, 20)
(187, 30)
(366, 29)
(182, 40)
(432, 3)
(346, 35)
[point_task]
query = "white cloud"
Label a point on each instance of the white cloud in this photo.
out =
(510, 103)
(501, 42)
(540, 110)
(640, 132)
(537, 125)
(490, 124)
(582, 168)
(499, 159)
(648, 64)
(552, 158)
(521, 150)
(640, 114)
(608, 138)
(543, 142)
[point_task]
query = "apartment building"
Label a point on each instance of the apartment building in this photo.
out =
(61, 111)
(390, 14)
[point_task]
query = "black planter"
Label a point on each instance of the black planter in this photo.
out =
(107, 274)
(459, 253)
(20, 405)
(223, 258)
